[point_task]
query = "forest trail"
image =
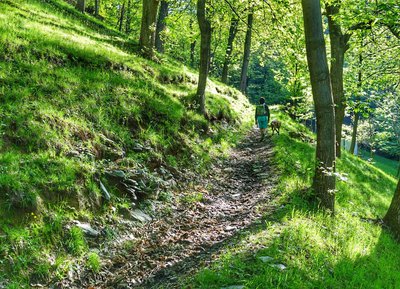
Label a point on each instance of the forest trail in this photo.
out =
(235, 197)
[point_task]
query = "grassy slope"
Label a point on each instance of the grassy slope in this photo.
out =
(77, 102)
(347, 251)
(387, 165)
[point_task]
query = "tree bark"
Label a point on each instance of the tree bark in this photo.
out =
(229, 47)
(161, 25)
(81, 5)
(246, 54)
(339, 45)
(392, 218)
(205, 49)
(128, 18)
(121, 17)
(324, 178)
(357, 114)
(148, 28)
(354, 134)
(97, 8)
(192, 52)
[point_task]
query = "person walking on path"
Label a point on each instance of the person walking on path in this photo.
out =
(262, 117)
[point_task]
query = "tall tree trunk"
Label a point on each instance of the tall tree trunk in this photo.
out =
(81, 5)
(339, 45)
(148, 28)
(246, 54)
(192, 52)
(324, 179)
(161, 25)
(97, 8)
(392, 218)
(357, 114)
(229, 47)
(128, 18)
(121, 17)
(205, 49)
(354, 134)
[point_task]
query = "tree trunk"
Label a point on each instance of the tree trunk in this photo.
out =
(192, 52)
(121, 17)
(339, 45)
(398, 169)
(80, 5)
(97, 8)
(354, 134)
(356, 114)
(205, 49)
(324, 179)
(147, 31)
(392, 218)
(161, 25)
(229, 47)
(128, 18)
(246, 54)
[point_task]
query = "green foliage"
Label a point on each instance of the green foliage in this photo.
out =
(75, 99)
(93, 262)
(349, 250)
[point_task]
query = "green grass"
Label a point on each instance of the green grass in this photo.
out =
(387, 165)
(77, 101)
(347, 251)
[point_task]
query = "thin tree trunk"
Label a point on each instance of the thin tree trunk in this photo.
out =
(192, 52)
(147, 31)
(81, 5)
(97, 8)
(356, 114)
(161, 25)
(324, 178)
(392, 217)
(246, 54)
(205, 49)
(398, 169)
(128, 18)
(354, 134)
(339, 45)
(121, 17)
(229, 48)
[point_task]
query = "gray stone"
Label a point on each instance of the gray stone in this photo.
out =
(87, 229)
(141, 216)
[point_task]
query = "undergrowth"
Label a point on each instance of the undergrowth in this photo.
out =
(301, 247)
(78, 102)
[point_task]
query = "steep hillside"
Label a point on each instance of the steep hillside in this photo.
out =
(82, 117)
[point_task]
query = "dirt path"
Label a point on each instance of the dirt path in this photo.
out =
(234, 196)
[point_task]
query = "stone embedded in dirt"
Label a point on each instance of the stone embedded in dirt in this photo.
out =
(278, 266)
(87, 229)
(229, 228)
(236, 196)
(266, 259)
(104, 192)
(141, 216)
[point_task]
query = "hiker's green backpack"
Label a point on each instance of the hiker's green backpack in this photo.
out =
(261, 110)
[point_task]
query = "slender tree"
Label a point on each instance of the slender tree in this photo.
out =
(205, 49)
(339, 45)
(229, 48)
(162, 15)
(246, 54)
(148, 27)
(357, 112)
(121, 17)
(324, 178)
(128, 17)
(97, 8)
(81, 5)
